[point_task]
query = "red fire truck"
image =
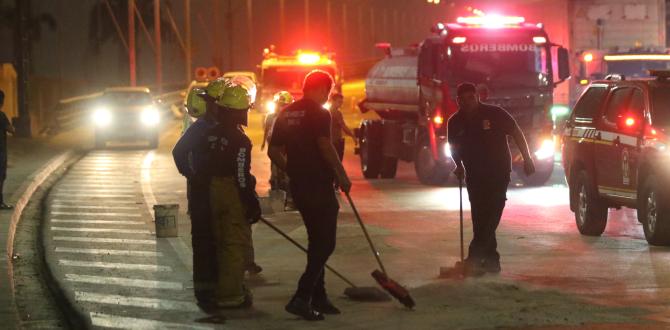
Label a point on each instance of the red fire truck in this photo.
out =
(413, 92)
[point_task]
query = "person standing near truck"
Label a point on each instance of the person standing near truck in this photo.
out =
(339, 126)
(477, 134)
(5, 127)
(303, 131)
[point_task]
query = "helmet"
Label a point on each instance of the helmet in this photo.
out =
(235, 96)
(283, 98)
(216, 87)
(196, 105)
(248, 83)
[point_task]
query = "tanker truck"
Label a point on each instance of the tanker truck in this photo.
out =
(412, 91)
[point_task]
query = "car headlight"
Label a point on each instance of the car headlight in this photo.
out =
(150, 116)
(270, 106)
(102, 117)
(447, 150)
(546, 150)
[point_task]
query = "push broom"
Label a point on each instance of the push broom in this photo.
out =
(392, 287)
(458, 270)
(353, 292)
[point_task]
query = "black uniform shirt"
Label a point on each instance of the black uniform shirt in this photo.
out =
(4, 126)
(297, 128)
(481, 140)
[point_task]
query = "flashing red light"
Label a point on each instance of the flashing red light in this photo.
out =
(588, 57)
(491, 21)
(309, 58)
(459, 40)
(630, 121)
(438, 120)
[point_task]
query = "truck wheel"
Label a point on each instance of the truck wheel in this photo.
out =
(540, 177)
(428, 170)
(389, 167)
(655, 216)
(591, 215)
(371, 149)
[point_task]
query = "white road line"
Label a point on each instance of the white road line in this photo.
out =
(123, 281)
(104, 240)
(109, 214)
(102, 222)
(72, 183)
(102, 230)
(128, 253)
(63, 206)
(122, 322)
(101, 190)
(94, 195)
(84, 202)
(113, 265)
(153, 303)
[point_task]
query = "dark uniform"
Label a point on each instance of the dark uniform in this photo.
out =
(311, 181)
(480, 142)
(234, 206)
(190, 157)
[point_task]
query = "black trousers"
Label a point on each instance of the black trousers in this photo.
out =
(318, 207)
(205, 270)
(487, 201)
(339, 147)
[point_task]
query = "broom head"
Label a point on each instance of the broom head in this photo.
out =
(394, 288)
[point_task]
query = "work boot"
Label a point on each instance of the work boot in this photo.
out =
(301, 307)
(325, 306)
(254, 269)
(492, 266)
(473, 267)
(4, 206)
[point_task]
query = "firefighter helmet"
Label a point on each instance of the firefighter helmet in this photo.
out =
(283, 98)
(195, 104)
(235, 96)
(216, 87)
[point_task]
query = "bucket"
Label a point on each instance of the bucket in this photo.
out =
(166, 220)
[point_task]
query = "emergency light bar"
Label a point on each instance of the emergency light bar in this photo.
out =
(491, 21)
(309, 58)
(638, 57)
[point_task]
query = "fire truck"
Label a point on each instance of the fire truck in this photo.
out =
(413, 92)
(287, 72)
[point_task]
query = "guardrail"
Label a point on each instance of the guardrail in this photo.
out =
(73, 112)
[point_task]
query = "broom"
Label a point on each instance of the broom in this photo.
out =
(353, 292)
(391, 286)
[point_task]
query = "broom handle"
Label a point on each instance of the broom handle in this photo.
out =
(460, 195)
(365, 231)
(280, 232)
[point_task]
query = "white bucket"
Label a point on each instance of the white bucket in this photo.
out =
(166, 220)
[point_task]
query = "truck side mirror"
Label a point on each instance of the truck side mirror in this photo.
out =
(563, 64)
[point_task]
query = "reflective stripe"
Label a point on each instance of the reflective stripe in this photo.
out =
(617, 192)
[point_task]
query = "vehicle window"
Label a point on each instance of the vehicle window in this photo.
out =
(660, 101)
(590, 102)
(427, 61)
(636, 105)
(617, 104)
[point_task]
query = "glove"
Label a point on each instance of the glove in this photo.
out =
(254, 212)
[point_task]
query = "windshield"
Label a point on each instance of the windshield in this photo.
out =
(507, 64)
(127, 98)
(636, 69)
(660, 114)
(289, 78)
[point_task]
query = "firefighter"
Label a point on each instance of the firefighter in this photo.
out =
(477, 134)
(188, 155)
(278, 178)
(311, 162)
(338, 126)
(233, 200)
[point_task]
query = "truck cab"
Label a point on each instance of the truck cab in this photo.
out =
(615, 153)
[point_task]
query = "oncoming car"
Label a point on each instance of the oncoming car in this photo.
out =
(126, 114)
(615, 154)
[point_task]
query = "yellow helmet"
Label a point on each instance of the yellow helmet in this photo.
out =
(216, 87)
(235, 97)
(195, 104)
(283, 98)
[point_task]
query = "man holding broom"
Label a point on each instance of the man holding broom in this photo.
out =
(302, 130)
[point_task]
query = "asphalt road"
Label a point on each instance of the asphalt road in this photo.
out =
(101, 246)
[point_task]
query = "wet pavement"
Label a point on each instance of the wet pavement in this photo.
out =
(101, 245)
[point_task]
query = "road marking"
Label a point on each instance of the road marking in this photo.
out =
(88, 190)
(154, 303)
(122, 322)
(102, 230)
(107, 214)
(104, 240)
(63, 206)
(113, 265)
(80, 202)
(128, 253)
(104, 222)
(94, 195)
(122, 281)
